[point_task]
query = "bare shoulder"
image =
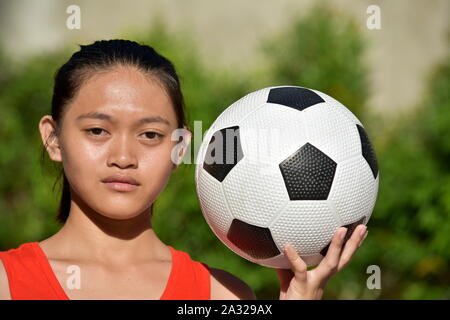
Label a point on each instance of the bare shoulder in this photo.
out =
(4, 285)
(226, 286)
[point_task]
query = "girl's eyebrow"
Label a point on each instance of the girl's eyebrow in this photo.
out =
(107, 117)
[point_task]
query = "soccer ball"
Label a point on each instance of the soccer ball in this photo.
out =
(285, 165)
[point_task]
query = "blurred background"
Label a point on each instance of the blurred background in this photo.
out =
(390, 66)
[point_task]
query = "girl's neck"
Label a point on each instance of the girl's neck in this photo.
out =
(89, 236)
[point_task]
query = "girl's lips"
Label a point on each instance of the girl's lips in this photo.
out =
(120, 186)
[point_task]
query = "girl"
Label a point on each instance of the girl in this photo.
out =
(115, 104)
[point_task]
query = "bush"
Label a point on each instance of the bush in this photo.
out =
(412, 217)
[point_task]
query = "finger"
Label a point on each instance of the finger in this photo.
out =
(328, 266)
(352, 245)
(364, 238)
(299, 266)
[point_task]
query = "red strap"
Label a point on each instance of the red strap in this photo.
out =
(27, 276)
(189, 280)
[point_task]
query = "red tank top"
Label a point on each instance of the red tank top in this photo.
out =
(31, 277)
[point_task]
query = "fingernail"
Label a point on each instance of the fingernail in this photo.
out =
(363, 231)
(343, 234)
(292, 253)
(288, 250)
(365, 235)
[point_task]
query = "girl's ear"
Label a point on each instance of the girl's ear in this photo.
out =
(47, 128)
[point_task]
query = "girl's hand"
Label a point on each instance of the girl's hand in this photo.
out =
(299, 283)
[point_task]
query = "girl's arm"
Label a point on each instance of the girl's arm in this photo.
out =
(225, 286)
(4, 285)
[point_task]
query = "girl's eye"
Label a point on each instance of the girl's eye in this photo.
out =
(95, 131)
(153, 135)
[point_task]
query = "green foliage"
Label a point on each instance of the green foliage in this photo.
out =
(322, 50)
(409, 230)
(26, 205)
(412, 217)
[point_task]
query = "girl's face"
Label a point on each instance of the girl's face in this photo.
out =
(118, 125)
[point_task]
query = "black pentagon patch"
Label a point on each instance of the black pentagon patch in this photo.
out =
(223, 153)
(350, 228)
(255, 241)
(308, 174)
(367, 150)
(294, 97)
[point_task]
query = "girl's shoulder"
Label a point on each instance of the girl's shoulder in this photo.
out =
(226, 286)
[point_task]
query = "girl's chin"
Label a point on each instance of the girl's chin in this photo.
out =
(117, 214)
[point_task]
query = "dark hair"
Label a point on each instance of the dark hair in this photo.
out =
(102, 56)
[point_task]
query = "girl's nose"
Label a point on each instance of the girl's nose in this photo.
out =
(122, 154)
